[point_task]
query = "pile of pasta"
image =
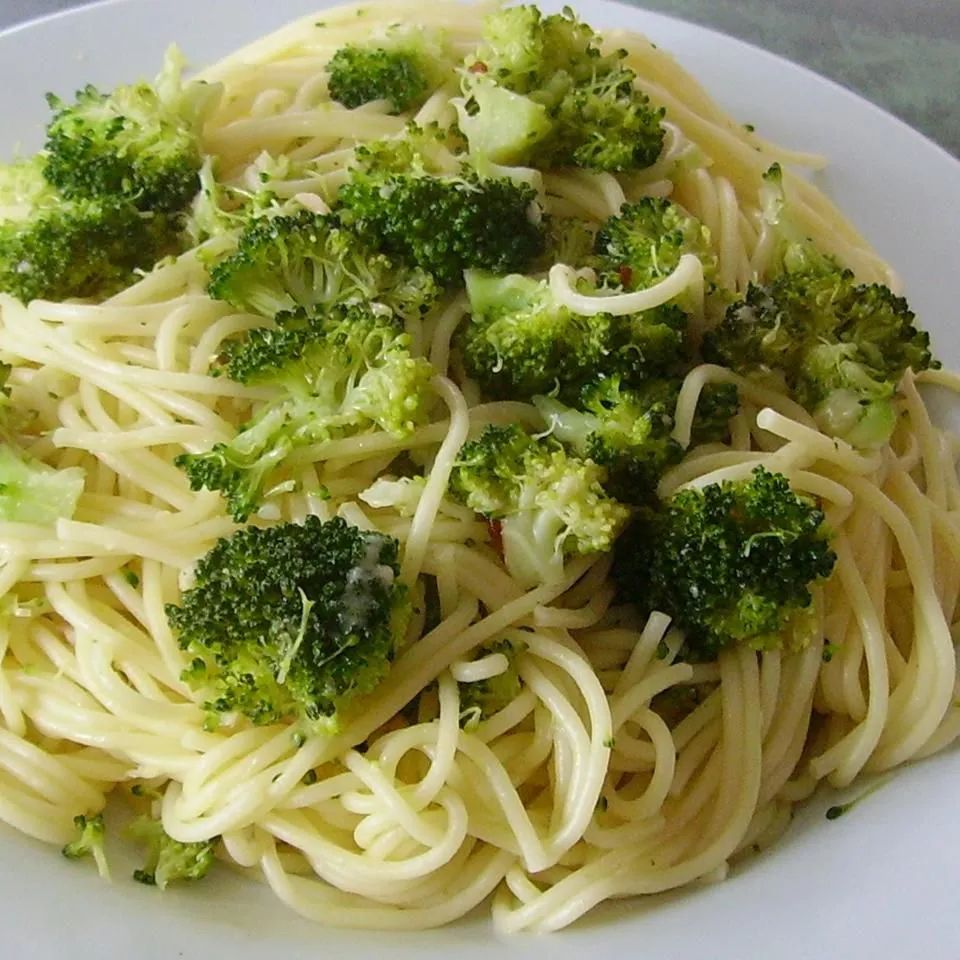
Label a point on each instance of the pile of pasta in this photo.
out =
(583, 788)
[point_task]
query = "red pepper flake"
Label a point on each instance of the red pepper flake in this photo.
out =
(626, 275)
(478, 66)
(496, 536)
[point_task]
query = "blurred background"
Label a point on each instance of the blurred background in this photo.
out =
(902, 54)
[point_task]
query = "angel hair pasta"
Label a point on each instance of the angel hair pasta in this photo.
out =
(447, 459)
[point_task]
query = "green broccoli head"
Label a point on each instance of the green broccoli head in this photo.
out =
(140, 142)
(360, 74)
(643, 244)
(841, 347)
(550, 505)
(168, 860)
(520, 342)
(730, 563)
(539, 90)
(311, 261)
(441, 224)
(402, 67)
(56, 248)
(338, 374)
(89, 842)
(291, 623)
(625, 431)
(629, 431)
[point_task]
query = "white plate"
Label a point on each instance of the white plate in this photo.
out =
(880, 882)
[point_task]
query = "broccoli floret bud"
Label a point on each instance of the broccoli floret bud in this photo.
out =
(291, 623)
(403, 67)
(168, 860)
(481, 699)
(56, 248)
(140, 142)
(310, 261)
(550, 505)
(540, 91)
(841, 347)
(338, 374)
(730, 563)
(361, 74)
(629, 431)
(442, 224)
(30, 491)
(645, 241)
(89, 843)
(520, 342)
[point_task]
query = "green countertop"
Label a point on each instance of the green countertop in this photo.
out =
(901, 54)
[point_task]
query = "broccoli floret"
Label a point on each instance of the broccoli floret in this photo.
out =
(520, 342)
(402, 67)
(730, 563)
(140, 142)
(629, 431)
(442, 224)
(89, 843)
(30, 491)
(645, 241)
(310, 261)
(361, 74)
(539, 90)
(550, 505)
(344, 372)
(841, 347)
(169, 860)
(481, 699)
(56, 248)
(292, 622)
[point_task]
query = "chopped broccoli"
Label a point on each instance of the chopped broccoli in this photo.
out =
(539, 91)
(31, 491)
(57, 248)
(311, 261)
(140, 142)
(347, 371)
(402, 67)
(89, 843)
(644, 242)
(629, 431)
(481, 699)
(442, 224)
(794, 251)
(841, 347)
(292, 622)
(551, 505)
(730, 563)
(520, 342)
(169, 860)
